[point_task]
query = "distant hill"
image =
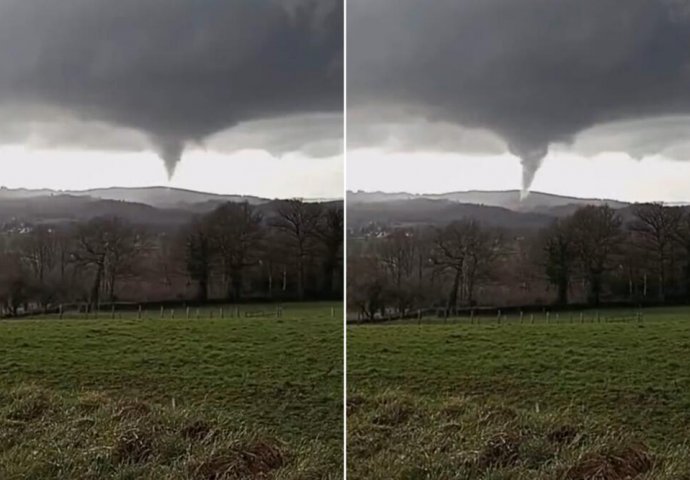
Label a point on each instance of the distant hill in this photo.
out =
(69, 208)
(160, 197)
(155, 206)
(510, 199)
(423, 211)
(501, 209)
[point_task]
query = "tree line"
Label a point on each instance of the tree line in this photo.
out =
(292, 250)
(593, 256)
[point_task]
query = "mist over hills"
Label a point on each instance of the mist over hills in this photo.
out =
(423, 211)
(156, 206)
(163, 206)
(493, 208)
(160, 197)
(510, 199)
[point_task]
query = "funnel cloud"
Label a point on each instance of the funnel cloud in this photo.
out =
(171, 153)
(175, 71)
(537, 73)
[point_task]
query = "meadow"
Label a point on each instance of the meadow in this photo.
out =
(256, 396)
(602, 396)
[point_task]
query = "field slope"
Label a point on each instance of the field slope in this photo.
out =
(593, 400)
(209, 398)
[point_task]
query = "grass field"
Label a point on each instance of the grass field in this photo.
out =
(594, 400)
(205, 398)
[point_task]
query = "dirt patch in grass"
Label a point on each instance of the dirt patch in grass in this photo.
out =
(254, 461)
(501, 451)
(131, 408)
(197, 430)
(90, 402)
(140, 440)
(392, 414)
(29, 404)
(487, 441)
(624, 463)
(563, 435)
(133, 446)
(391, 409)
(354, 403)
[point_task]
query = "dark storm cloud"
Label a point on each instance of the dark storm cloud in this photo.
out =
(315, 135)
(535, 72)
(175, 70)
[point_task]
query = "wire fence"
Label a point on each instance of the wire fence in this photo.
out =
(497, 316)
(156, 311)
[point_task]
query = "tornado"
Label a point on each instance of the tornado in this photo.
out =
(170, 151)
(531, 158)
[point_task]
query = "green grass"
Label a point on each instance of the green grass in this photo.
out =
(265, 376)
(618, 384)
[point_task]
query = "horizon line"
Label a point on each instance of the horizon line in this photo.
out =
(179, 189)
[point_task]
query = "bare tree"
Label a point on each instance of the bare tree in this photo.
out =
(683, 241)
(559, 257)
(330, 233)
(15, 287)
(198, 255)
(300, 221)
(111, 247)
(450, 254)
(126, 246)
(657, 228)
(38, 249)
(397, 254)
(236, 233)
(469, 252)
(596, 233)
(367, 290)
(90, 251)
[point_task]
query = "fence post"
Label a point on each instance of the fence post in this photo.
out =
(522, 315)
(197, 314)
(220, 313)
(187, 313)
(531, 318)
(548, 317)
(172, 313)
(162, 311)
(139, 313)
(237, 312)
(61, 311)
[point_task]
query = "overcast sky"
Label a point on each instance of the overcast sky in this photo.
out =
(231, 96)
(585, 98)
